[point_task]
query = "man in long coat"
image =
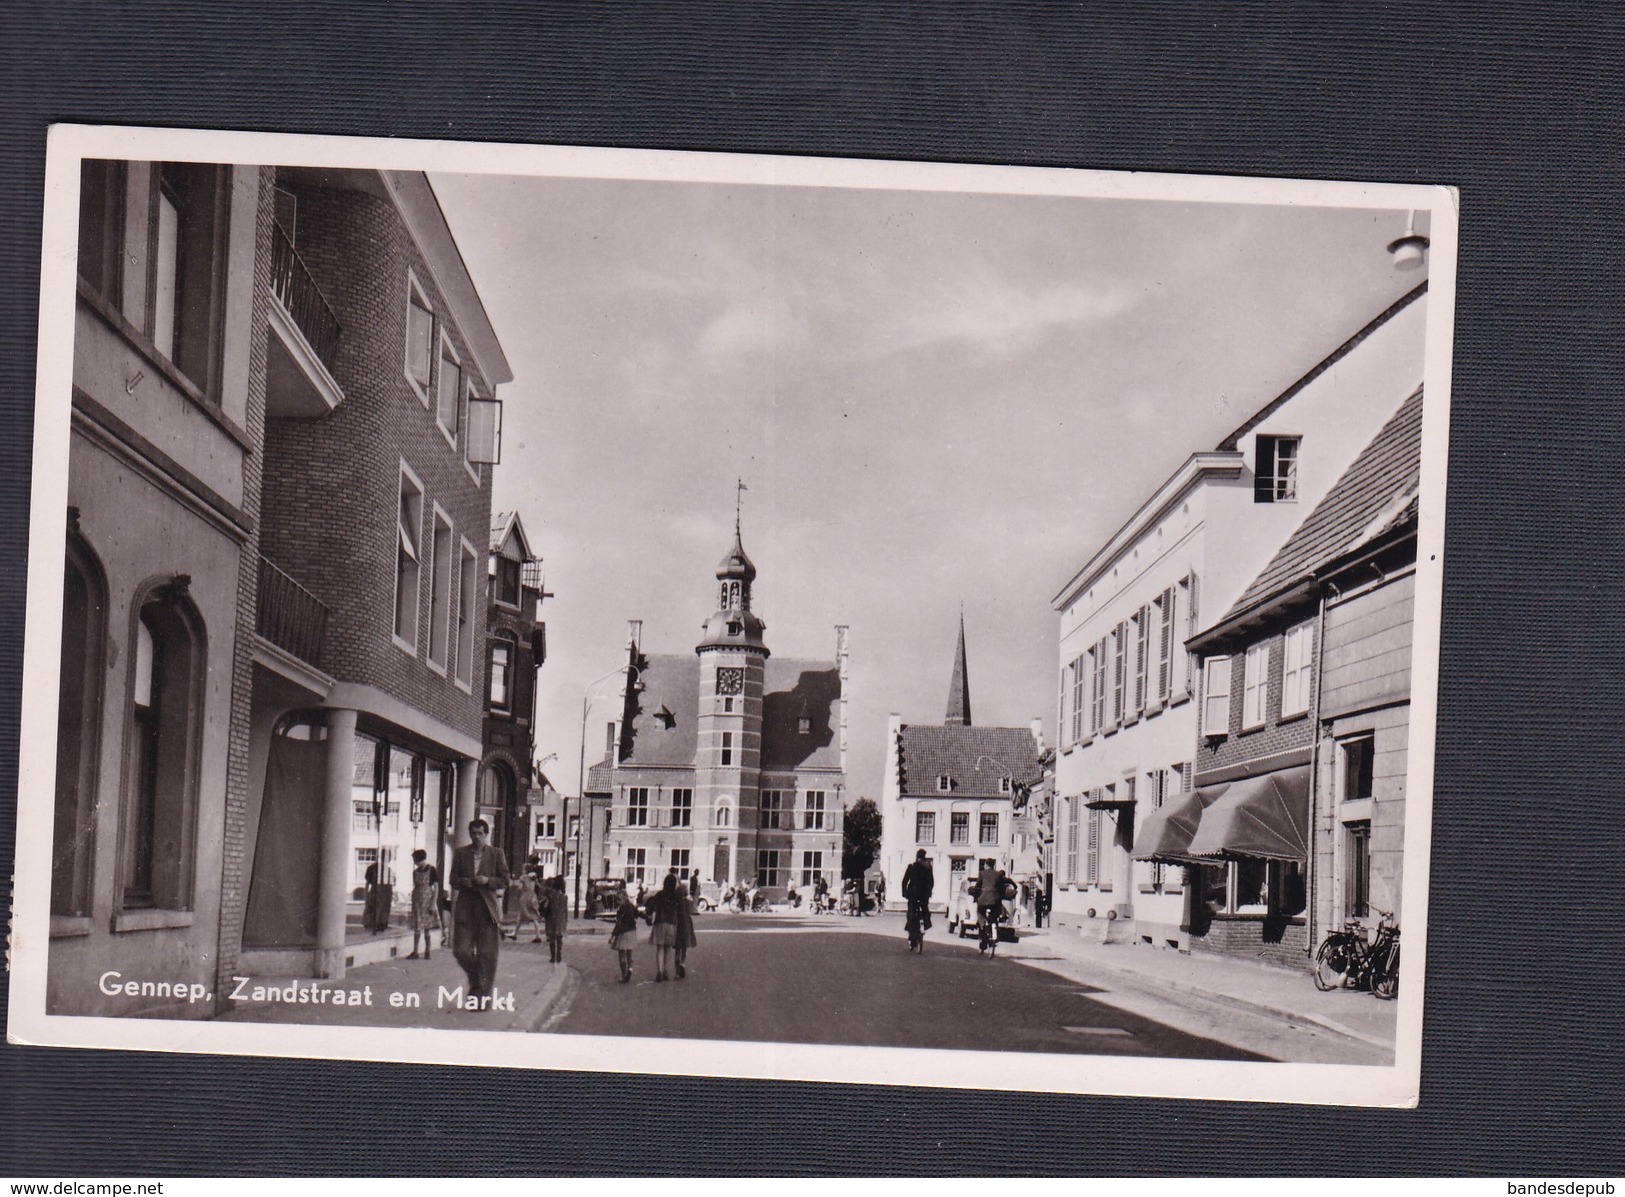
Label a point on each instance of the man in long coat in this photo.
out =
(479, 874)
(918, 882)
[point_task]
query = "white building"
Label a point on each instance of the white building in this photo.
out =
(1127, 726)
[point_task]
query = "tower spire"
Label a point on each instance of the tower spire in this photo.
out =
(739, 502)
(959, 685)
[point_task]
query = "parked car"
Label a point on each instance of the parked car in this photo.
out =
(604, 897)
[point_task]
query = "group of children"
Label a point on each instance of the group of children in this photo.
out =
(671, 916)
(542, 903)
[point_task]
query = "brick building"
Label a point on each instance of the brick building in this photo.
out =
(1128, 692)
(959, 792)
(1300, 770)
(369, 667)
(167, 416)
(726, 761)
(516, 646)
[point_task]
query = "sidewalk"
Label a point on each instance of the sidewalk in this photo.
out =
(420, 993)
(1243, 984)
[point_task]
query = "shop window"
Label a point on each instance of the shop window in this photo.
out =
(79, 704)
(168, 663)
(1276, 470)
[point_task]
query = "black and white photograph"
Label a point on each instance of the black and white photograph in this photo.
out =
(728, 615)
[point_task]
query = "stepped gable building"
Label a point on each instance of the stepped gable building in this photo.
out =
(956, 790)
(1130, 693)
(727, 761)
(1311, 665)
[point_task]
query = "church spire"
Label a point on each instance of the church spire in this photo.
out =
(959, 685)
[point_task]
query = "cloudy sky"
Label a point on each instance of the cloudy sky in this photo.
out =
(937, 401)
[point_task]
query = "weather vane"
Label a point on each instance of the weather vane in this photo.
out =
(739, 502)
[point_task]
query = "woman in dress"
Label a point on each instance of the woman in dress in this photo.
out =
(529, 906)
(556, 912)
(425, 902)
(624, 937)
(664, 912)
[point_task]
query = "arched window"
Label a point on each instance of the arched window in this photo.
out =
(167, 666)
(725, 815)
(79, 704)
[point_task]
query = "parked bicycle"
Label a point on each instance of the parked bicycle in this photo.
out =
(1347, 960)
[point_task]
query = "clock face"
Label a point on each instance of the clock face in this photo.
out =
(730, 681)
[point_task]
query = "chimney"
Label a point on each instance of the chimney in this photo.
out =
(634, 635)
(1038, 734)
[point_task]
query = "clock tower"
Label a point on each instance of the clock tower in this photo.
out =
(728, 752)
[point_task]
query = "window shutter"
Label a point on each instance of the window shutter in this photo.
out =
(1165, 646)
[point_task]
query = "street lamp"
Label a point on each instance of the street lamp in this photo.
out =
(581, 770)
(1410, 251)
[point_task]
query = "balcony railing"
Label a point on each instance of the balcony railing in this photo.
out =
(302, 299)
(290, 617)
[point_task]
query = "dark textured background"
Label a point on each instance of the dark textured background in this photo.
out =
(1518, 105)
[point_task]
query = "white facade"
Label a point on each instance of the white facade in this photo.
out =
(1128, 711)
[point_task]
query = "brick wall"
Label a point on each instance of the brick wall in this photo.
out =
(234, 878)
(1276, 736)
(332, 484)
(1284, 946)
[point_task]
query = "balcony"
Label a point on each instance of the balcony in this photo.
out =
(300, 381)
(289, 616)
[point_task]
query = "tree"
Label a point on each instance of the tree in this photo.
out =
(860, 837)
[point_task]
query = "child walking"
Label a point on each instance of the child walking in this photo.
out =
(624, 938)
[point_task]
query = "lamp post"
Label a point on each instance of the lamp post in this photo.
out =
(581, 773)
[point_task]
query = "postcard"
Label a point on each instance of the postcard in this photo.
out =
(717, 615)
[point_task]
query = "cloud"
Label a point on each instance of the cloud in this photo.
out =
(995, 317)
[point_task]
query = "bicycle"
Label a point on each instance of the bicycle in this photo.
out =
(988, 919)
(1345, 960)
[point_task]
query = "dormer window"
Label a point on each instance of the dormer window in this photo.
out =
(734, 627)
(944, 783)
(1004, 785)
(665, 717)
(803, 726)
(1276, 471)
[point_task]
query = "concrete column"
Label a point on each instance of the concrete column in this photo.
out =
(337, 810)
(468, 774)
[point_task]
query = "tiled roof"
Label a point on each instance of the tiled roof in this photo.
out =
(975, 758)
(663, 729)
(1376, 492)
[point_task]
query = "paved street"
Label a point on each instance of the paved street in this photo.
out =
(843, 981)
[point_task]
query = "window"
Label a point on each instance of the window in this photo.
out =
(679, 863)
(482, 445)
(419, 337)
(363, 858)
(101, 227)
(988, 831)
(727, 748)
(1255, 672)
(770, 866)
(1119, 670)
(959, 827)
(1359, 767)
(637, 806)
(812, 865)
(1091, 874)
(1005, 785)
(1357, 869)
(167, 667)
(925, 827)
(501, 663)
(1079, 696)
(1276, 473)
(682, 808)
(1097, 662)
(188, 242)
(84, 612)
(1184, 627)
(507, 581)
(1164, 608)
(450, 392)
(637, 865)
(813, 818)
(408, 566)
(803, 726)
(724, 815)
(440, 590)
(468, 615)
(1142, 656)
(944, 783)
(1072, 805)
(772, 808)
(1216, 698)
(1295, 671)
(547, 827)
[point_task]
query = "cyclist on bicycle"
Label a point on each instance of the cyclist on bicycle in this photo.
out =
(918, 882)
(988, 890)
